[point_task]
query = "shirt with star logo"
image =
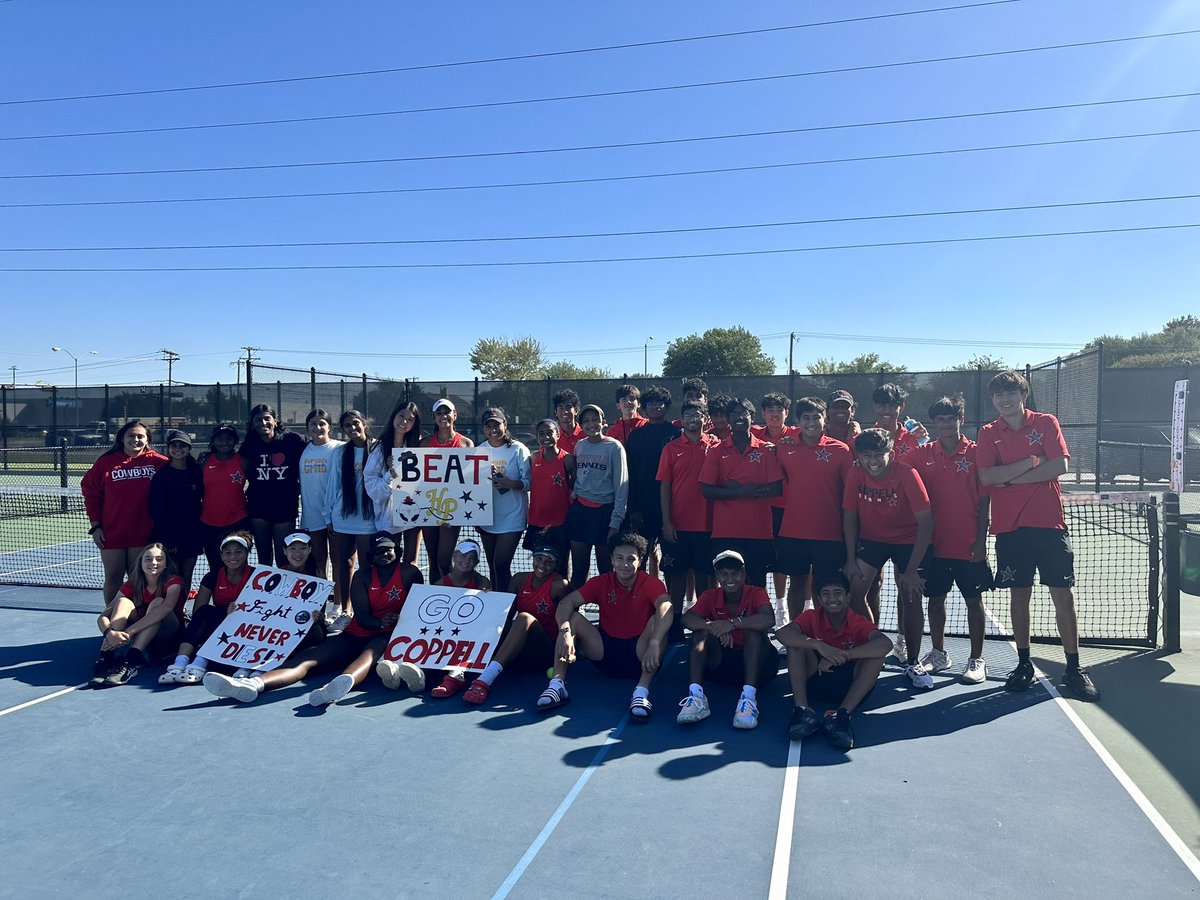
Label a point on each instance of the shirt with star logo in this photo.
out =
(539, 603)
(748, 517)
(886, 507)
(383, 598)
(814, 478)
(549, 491)
(624, 612)
(224, 501)
(712, 605)
(680, 465)
(952, 481)
(1034, 505)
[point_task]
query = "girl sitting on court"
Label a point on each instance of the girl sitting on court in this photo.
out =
(144, 608)
(222, 587)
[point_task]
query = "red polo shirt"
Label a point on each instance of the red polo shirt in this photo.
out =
(886, 508)
(815, 477)
(624, 612)
(711, 605)
(952, 481)
(855, 631)
(1036, 505)
(680, 464)
(568, 441)
(744, 517)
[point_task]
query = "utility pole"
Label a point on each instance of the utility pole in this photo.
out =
(171, 357)
(14, 378)
(249, 376)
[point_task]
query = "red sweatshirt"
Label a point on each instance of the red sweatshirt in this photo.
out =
(116, 493)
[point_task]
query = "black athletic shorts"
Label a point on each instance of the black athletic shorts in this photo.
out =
(588, 524)
(972, 578)
(727, 665)
(758, 553)
(796, 557)
(692, 550)
(1048, 550)
(620, 657)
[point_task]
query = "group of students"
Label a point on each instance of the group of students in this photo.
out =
(709, 500)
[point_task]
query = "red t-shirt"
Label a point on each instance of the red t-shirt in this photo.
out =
(886, 508)
(148, 597)
(624, 613)
(538, 602)
(814, 478)
(568, 441)
(789, 435)
(1036, 505)
(549, 491)
(680, 464)
(224, 500)
(749, 517)
(952, 481)
(855, 631)
(711, 605)
(384, 599)
(222, 589)
(623, 428)
(116, 493)
(456, 440)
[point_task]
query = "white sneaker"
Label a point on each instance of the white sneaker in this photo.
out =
(239, 689)
(338, 625)
(900, 650)
(936, 660)
(412, 676)
(332, 692)
(975, 672)
(918, 676)
(389, 673)
(692, 708)
(746, 716)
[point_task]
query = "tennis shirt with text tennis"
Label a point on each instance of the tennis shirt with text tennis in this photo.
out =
(1035, 505)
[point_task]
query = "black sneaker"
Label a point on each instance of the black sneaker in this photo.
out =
(1079, 683)
(100, 672)
(122, 673)
(837, 726)
(1021, 677)
(802, 723)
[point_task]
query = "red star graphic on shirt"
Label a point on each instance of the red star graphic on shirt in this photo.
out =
(612, 596)
(893, 500)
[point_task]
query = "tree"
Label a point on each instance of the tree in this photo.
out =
(984, 361)
(568, 371)
(866, 362)
(504, 359)
(717, 352)
(1177, 342)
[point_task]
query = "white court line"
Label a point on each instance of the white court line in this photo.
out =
(1186, 856)
(29, 703)
(787, 818)
(548, 829)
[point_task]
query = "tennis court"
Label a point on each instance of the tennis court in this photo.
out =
(962, 789)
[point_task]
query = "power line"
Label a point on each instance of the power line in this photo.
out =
(593, 95)
(502, 59)
(607, 234)
(615, 259)
(940, 342)
(616, 146)
(605, 178)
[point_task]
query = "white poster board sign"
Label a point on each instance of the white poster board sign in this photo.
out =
(441, 486)
(270, 618)
(441, 627)
(1178, 434)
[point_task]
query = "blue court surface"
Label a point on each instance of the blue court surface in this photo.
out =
(149, 791)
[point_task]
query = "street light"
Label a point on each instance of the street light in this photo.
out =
(76, 358)
(646, 356)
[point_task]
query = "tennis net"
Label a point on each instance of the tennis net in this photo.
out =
(44, 541)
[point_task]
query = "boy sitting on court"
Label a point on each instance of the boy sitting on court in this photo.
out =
(835, 654)
(729, 642)
(635, 616)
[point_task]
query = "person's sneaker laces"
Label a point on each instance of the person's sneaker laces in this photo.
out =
(692, 708)
(802, 723)
(918, 676)
(1021, 677)
(1079, 683)
(122, 673)
(975, 672)
(936, 661)
(837, 726)
(746, 715)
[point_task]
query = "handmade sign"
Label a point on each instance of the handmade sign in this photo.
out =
(270, 617)
(441, 486)
(441, 627)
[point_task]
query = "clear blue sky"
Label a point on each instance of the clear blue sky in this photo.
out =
(421, 322)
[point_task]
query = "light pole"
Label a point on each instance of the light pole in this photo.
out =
(76, 358)
(171, 357)
(646, 356)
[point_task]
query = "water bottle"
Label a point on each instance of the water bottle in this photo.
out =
(910, 423)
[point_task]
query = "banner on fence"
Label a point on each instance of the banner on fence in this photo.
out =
(1178, 434)
(442, 627)
(441, 486)
(269, 619)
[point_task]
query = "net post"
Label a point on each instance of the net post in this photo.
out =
(53, 416)
(62, 471)
(4, 421)
(1154, 575)
(1171, 526)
